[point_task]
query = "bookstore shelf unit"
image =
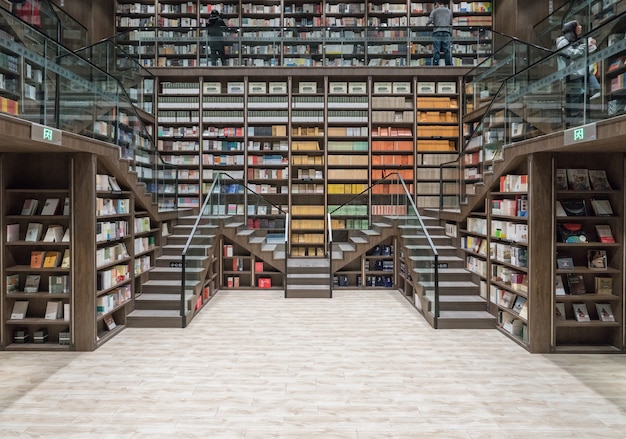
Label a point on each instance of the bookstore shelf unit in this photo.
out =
(375, 269)
(588, 307)
(38, 301)
(474, 243)
(79, 216)
(114, 264)
(300, 33)
(242, 270)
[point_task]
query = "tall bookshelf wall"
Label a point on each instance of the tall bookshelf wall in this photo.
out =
(313, 32)
(309, 144)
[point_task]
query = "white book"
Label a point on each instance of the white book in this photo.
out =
(580, 312)
(33, 233)
(50, 206)
(66, 207)
(19, 310)
(53, 234)
(30, 206)
(605, 313)
(13, 232)
(54, 310)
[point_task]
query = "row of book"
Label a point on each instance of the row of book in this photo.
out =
(582, 179)
(57, 284)
(52, 206)
(55, 309)
(575, 284)
(596, 260)
(34, 232)
(50, 259)
(604, 312)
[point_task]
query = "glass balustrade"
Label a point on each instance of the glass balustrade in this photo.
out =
(46, 83)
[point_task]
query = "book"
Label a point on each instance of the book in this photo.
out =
(572, 233)
(520, 301)
(601, 207)
(507, 299)
(66, 259)
(109, 322)
(560, 211)
(580, 312)
(20, 307)
(576, 283)
(30, 206)
(596, 259)
(33, 232)
(13, 283)
(565, 263)
(31, 285)
(559, 288)
(574, 207)
(66, 235)
(560, 180)
(54, 233)
(604, 233)
(50, 206)
(13, 232)
(578, 179)
(603, 285)
(66, 207)
(605, 313)
(598, 180)
(54, 310)
(36, 258)
(51, 259)
(115, 187)
(559, 311)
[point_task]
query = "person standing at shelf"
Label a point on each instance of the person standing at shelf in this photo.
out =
(572, 49)
(216, 28)
(441, 19)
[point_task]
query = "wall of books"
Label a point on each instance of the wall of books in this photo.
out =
(313, 33)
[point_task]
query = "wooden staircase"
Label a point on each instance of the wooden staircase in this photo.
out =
(460, 304)
(159, 304)
(308, 277)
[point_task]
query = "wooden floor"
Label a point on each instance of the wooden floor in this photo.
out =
(363, 365)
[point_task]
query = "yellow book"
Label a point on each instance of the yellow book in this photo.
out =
(52, 259)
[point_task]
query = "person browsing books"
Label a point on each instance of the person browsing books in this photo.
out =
(441, 19)
(572, 49)
(215, 29)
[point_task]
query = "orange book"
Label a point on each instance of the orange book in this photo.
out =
(37, 258)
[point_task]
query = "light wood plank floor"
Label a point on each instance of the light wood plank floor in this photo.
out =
(363, 365)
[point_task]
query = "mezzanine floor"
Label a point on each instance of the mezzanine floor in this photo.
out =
(363, 365)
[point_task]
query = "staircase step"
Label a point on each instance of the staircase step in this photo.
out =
(257, 240)
(446, 274)
(452, 288)
(167, 286)
(191, 261)
(462, 303)
(466, 320)
(370, 232)
(305, 291)
(245, 232)
(153, 301)
(343, 246)
(308, 279)
(233, 225)
(358, 240)
(175, 273)
(193, 250)
(141, 318)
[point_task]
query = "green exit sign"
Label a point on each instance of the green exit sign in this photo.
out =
(46, 134)
(583, 133)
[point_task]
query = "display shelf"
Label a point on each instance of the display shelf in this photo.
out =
(37, 293)
(588, 230)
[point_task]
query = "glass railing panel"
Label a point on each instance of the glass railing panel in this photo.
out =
(134, 78)
(73, 34)
(260, 46)
(385, 203)
(229, 203)
(344, 47)
(60, 89)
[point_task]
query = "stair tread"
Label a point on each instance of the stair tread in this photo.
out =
(450, 284)
(358, 239)
(307, 275)
(381, 224)
(460, 298)
(169, 282)
(157, 296)
(233, 225)
(176, 269)
(344, 246)
(155, 313)
(442, 271)
(440, 258)
(245, 232)
(308, 287)
(370, 232)
(257, 240)
(466, 315)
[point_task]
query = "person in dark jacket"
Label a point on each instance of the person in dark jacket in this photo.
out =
(572, 48)
(215, 29)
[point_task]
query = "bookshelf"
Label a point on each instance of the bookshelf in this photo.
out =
(300, 32)
(437, 114)
(595, 277)
(242, 270)
(507, 226)
(178, 139)
(474, 243)
(114, 263)
(38, 295)
(376, 269)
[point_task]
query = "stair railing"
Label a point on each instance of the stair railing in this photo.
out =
(389, 202)
(230, 198)
(62, 90)
(330, 255)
